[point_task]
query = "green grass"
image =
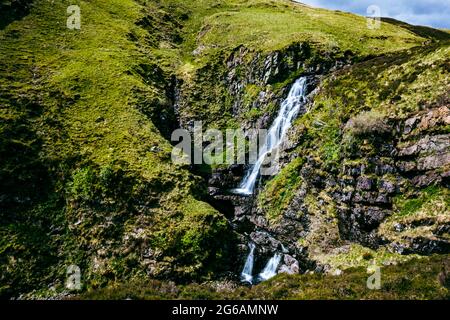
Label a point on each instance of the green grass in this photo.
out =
(276, 24)
(421, 31)
(81, 107)
(357, 256)
(395, 85)
(408, 207)
(422, 213)
(85, 163)
(271, 25)
(263, 26)
(402, 281)
(279, 191)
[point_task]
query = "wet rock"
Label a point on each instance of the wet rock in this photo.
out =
(222, 179)
(383, 199)
(290, 265)
(369, 217)
(442, 229)
(212, 191)
(426, 145)
(237, 170)
(346, 196)
(264, 240)
(382, 169)
(410, 125)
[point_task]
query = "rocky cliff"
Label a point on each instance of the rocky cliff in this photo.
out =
(86, 174)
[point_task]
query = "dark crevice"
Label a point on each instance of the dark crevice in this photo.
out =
(13, 10)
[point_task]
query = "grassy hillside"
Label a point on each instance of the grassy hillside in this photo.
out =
(212, 31)
(84, 169)
(85, 116)
(270, 25)
(398, 282)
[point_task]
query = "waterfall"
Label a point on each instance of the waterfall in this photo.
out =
(286, 115)
(247, 272)
(288, 111)
(270, 270)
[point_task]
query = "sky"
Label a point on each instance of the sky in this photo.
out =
(432, 13)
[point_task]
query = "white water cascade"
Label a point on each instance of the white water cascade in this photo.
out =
(247, 272)
(270, 270)
(288, 112)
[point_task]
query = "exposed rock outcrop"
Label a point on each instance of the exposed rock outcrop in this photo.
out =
(415, 156)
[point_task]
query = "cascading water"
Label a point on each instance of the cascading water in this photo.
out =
(247, 272)
(270, 270)
(289, 110)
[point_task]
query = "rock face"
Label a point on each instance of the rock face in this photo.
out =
(252, 226)
(246, 86)
(405, 156)
(262, 71)
(415, 156)
(245, 68)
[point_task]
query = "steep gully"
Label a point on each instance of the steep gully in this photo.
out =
(233, 190)
(268, 256)
(287, 113)
(262, 250)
